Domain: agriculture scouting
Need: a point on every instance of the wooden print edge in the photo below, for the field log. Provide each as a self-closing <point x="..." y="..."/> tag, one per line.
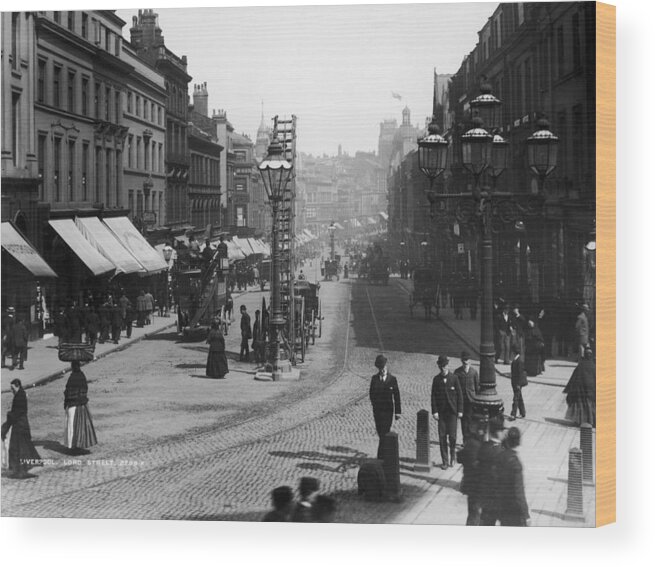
<point x="606" y="263"/>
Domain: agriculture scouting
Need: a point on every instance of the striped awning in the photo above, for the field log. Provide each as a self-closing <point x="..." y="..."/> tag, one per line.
<point x="18" y="247"/>
<point x="82" y="248"/>
<point x="133" y="240"/>
<point x="104" y="241"/>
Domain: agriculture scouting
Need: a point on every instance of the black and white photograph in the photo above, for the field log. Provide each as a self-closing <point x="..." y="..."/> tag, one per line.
<point x="305" y="264"/>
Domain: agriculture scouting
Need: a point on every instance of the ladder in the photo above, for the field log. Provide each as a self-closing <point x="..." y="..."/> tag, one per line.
<point x="285" y="130"/>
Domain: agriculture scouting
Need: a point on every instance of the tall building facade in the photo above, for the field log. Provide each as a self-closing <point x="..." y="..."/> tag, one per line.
<point x="540" y="61"/>
<point x="205" y="153"/>
<point x="148" y="42"/>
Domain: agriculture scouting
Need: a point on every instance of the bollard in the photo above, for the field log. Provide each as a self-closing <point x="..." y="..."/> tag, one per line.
<point x="574" y="509"/>
<point x="391" y="466"/>
<point x="586" y="445"/>
<point x="422" y="463"/>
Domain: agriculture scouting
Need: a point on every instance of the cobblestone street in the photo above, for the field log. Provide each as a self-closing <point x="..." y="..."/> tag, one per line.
<point x="174" y="445"/>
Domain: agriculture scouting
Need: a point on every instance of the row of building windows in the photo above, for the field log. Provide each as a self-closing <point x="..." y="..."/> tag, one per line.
<point x="176" y="138"/>
<point x="67" y="89"/>
<point x="90" y="29"/>
<point x="178" y="98"/>
<point x="65" y="177"/>
<point x="204" y="170"/>
<point x="143" y="108"/>
<point x="567" y="40"/>
<point x="142" y="153"/>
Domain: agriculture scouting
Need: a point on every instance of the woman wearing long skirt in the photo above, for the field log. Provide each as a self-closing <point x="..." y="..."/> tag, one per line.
<point x="581" y="392"/>
<point x="22" y="453"/>
<point x="80" y="433"/>
<point x="216" y="359"/>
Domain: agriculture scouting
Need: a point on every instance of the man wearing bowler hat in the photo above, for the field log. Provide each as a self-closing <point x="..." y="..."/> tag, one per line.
<point x="447" y="406"/>
<point x="385" y="397"/>
<point x="469" y="382"/>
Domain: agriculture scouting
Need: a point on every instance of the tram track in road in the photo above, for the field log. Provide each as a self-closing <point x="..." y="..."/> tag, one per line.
<point x="187" y="448"/>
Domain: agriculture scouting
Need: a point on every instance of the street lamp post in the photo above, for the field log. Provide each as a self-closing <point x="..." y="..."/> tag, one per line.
<point x="483" y="150"/>
<point x="276" y="173"/>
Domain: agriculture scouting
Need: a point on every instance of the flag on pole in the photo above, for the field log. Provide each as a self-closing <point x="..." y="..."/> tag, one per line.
<point x="396" y="95"/>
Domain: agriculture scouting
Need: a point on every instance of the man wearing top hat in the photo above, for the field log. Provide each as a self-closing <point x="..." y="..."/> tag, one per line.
<point x="447" y="406"/>
<point x="385" y="397"/>
<point x="469" y="382"/>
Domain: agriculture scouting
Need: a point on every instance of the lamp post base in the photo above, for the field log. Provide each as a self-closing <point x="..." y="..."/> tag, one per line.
<point x="284" y="371"/>
<point x="488" y="409"/>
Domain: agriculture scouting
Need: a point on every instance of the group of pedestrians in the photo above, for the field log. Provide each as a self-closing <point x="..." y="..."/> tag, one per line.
<point x="104" y="319"/>
<point x="310" y="506"/>
<point x="15" y="338"/>
<point x="492" y="477"/>
<point x="79" y="431"/>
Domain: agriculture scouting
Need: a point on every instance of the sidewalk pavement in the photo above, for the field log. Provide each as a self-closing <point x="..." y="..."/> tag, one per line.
<point x="547" y="440"/>
<point x="43" y="365"/>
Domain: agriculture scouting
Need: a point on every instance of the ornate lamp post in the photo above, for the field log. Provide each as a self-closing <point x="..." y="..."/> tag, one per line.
<point x="483" y="150"/>
<point x="276" y="173"/>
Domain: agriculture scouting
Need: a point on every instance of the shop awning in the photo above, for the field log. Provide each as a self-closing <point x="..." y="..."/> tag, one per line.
<point x="384" y="215"/>
<point x="233" y="251"/>
<point x="89" y="256"/>
<point x="134" y="241"/>
<point x="104" y="241"/>
<point x="243" y="244"/>
<point x="266" y="248"/>
<point x="371" y="220"/>
<point x="14" y="243"/>
<point x="308" y="234"/>
<point x="338" y="226"/>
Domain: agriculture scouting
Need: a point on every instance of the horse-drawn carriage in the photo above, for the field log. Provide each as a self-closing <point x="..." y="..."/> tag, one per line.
<point x="378" y="270"/>
<point x="425" y="292"/>
<point x="308" y="318"/>
<point x="332" y="268"/>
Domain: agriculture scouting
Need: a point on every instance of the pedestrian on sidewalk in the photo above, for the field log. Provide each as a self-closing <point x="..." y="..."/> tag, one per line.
<point x="488" y="473"/>
<point x="513" y="504"/>
<point x="141" y="308"/>
<point x="258" y="343"/>
<point x="447" y="405"/>
<point x="307" y="492"/>
<point x="581" y="392"/>
<point x="116" y="323"/>
<point x="582" y="330"/>
<point x="519" y="380"/>
<point x="8" y="322"/>
<point x="469" y="382"/>
<point x="518" y="325"/>
<point x="325" y="509"/>
<point x="385" y="398"/>
<point x="124" y="303"/>
<point x="150" y="307"/>
<point x="470" y="484"/>
<point x="282" y="498"/>
<point x="534" y="349"/>
<point x="504" y="330"/>
<point x="61" y="326"/>
<point x="246" y="335"/>
<point x="19" y="340"/>
<point x="22" y="453"/>
<point x="80" y="433"/>
<point x="216" y="358"/>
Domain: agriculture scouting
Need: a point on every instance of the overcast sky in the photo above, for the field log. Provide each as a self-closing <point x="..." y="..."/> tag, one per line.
<point x="334" y="67"/>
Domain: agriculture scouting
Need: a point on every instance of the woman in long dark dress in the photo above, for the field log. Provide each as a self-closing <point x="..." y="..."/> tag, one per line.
<point x="216" y="359"/>
<point x="534" y="350"/>
<point x="80" y="433"/>
<point x="581" y="392"/>
<point x="22" y="454"/>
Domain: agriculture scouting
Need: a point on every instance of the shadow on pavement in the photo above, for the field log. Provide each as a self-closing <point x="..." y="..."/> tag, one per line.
<point x="315" y="460"/>
<point x="50" y="445"/>
<point x="558" y="421"/>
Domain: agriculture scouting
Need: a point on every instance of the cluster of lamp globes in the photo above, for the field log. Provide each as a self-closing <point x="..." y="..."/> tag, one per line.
<point x="482" y="147"/>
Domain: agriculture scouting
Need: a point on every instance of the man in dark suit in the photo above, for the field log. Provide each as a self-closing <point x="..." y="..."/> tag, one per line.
<point x="447" y="406"/>
<point x="513" y="507"/>
<point x="246" y="335"/>
<point x="469" y="382"/>
<point x="385" y="397"/>
<point x="488" y="479"/>
<point x="519" y="379"/>
<point x="19" y="341"/>
<point x="504" y="331"/>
